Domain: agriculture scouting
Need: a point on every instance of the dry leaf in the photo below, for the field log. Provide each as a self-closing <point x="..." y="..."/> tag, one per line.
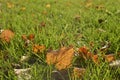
<point x="6" y="35"/>
<point x="61" y="58"/>
<point x="84" y="52"/>
<point x="95" y="59"/>
<point x="38" y="48"/>
<point x="78" y="72"/>
<point x="110" y="57"/>
<point x="31" y="37"/>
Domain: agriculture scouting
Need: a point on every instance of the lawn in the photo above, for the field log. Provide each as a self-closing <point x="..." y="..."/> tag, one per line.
<point x="88" y="26"/>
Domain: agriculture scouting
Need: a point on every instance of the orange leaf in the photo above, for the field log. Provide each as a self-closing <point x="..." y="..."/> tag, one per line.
<point x="38" y="48"/>
<point x="31" y="36"/>
<point x="84" y="52"/>
<point x="95" y="59"/>
<point x="110" y="57"/>
<point x="61" y="58"/>
<point x="6" y="35"/>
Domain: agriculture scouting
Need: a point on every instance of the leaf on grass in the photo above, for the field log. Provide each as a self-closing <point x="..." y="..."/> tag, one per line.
<point x="61" y="58"/>
<point x="28" y="39"/>
<point x="38" y="48"/>
<point x="6" y="35"/>
<point x="84" y="52"/>
<point x="110" y="57"/>
<point x="95" y="59"/>
<point x="31" y="37"/>
<point x="78" y="72"/>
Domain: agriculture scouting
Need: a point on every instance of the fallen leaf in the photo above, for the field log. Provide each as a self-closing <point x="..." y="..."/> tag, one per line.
<point x="110" y="57"/>
<point x="61" y="58"/>
<point x="38" y="48"/>
<point x="95" y="59"/>
<point x="31" y="37"/>
<point x="7" y="35"/>
<point x="84" y="52"/>
<point x="78" y="72"/>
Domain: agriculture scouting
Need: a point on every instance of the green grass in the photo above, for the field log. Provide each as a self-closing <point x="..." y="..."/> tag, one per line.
<point x="61" y="28"/>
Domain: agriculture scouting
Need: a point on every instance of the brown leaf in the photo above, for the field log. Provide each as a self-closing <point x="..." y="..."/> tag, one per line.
<point x="61" y="58"/>
<point x="31" y="37"/>
<point x="6" y="35"/>
<point x="95" y="59"/>
<point x="84" y="52"/>
<point x="38" y="48"/>
<point x="110" y="57"/>
<point x="78" y="72"/>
